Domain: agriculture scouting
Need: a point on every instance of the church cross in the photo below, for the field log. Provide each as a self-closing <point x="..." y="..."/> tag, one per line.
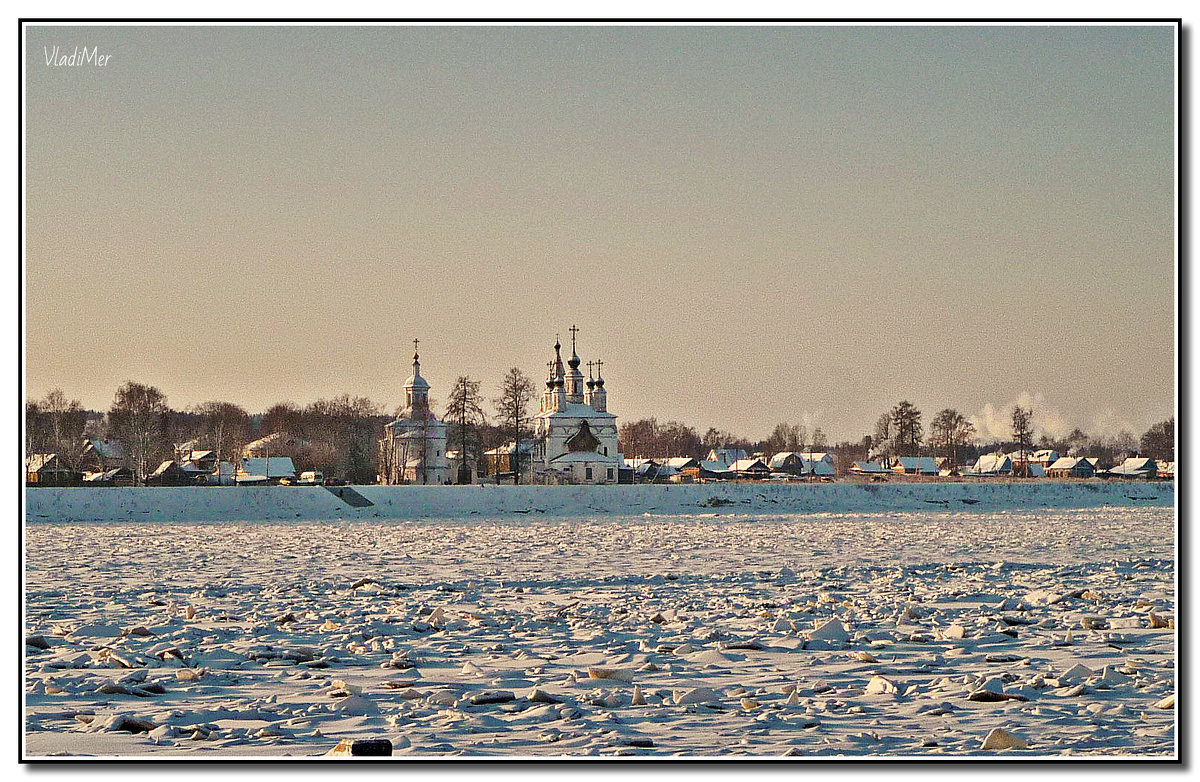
<point x="415" y="341"/>
<point x="573" y="331"/>
<point x="598" y="363"/>
<point x="590" y="365"/>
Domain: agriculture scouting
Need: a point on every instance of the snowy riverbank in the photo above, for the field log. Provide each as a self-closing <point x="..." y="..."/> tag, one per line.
<point x="285" y="503"/>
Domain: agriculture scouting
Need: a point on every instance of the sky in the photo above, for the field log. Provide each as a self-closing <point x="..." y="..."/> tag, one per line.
<point x="748" y="225"/>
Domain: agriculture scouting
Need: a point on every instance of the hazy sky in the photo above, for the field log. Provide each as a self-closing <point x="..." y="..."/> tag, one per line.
<point x="748" y="224"/>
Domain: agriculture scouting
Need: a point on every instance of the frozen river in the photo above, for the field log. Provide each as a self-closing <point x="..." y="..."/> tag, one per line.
<point x="683" y="634"/>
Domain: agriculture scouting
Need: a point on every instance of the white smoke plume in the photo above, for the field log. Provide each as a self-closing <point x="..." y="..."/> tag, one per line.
<point x="994" y="422"/>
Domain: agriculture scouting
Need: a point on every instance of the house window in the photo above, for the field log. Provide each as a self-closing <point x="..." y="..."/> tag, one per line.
<point x="588" y="473"/>
<point x="606" y="453"/>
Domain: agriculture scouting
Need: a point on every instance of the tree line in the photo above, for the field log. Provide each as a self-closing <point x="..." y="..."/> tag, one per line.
<point x="340" y="436"/>
<point x="337" y="436"/>
<point x="899" y="431"/>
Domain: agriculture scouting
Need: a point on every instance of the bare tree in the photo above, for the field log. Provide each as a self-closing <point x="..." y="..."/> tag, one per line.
<point x="464" y="413"/>
<point x="1022" y="431"/>
<point x="137" y="419"/>
<point x="949" y="430"/>
<point x="516" y="392"/>
<point x="56" y="425"/>
<point x="1159" y="441"/>
<point x="906" y="420"/>
<point x="883" y="435"/>
<point x="225" y="427"/>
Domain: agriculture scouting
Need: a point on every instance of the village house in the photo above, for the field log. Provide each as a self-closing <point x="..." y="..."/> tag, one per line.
<point x="992" y="464"/>
<point x="46" y="469"/>
<point x="503" y="459"/>
<point x="1134" y="467"/>
<point x="117" y="476"/>
<point x="264" y="469"/>
<point x="753" y="469"/>
<point x="708" y="470"/>
<point x="726" y="456"/>
<point x="1071" y="467"/>
<point x="915" y="465"/>
<point x="788" y="462"/>
<point x="874" y="469"/>
<point x="169" y="473"/>
<point x="102" y="455"/>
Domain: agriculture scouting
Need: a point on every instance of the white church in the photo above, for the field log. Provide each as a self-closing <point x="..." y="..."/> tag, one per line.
<point x="575" y="435"/>
<point x="413" y="448"/>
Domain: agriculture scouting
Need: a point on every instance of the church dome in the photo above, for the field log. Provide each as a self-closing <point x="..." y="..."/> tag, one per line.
<point x="415" y="380"/>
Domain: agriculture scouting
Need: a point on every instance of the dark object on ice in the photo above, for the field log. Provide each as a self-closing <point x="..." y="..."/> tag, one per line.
<point x="716" y="502"/>
<point x="938" y="502"/>
<point x="1017" y="620"/>
<point x="638" y="742"/>
<point x="966" y="501"/>
<point x="37" y="642"/>
<point x="751" y="645"/>
<point x="495" y="696"/>
<point x="131" y="724"/>
<point x="362" y="748"/>
<point x="987" y="696"/>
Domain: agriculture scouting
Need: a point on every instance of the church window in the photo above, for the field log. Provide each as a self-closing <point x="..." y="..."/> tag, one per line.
<point x="610" y="473"/>
<point x="588" y="472"/>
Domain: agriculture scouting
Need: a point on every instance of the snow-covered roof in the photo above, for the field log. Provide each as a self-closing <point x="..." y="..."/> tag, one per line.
<point x="579" y="457"/>
<point x="109" y="449"/>
<point x="681" y="462"/>
<point x="101" y="477"/>
<point x="726" y="456"/>
<point x="780" y="458"/>
<point x="270" y="439"/>
<point x="576" y="410"/>
<point x="416" y="381"/>
<point x="162" y="468"/>
<point x="993" y="463"/>
<point x="1065" y="463"/>
<point x="267" y="467"/>
<point x="820" y="467"/>
<point x="709" y="465"/>
<point x="744" y="465"/>
<point x="36" y="461"/>
<point x="925" y="464"/>
<point x="817" y="456"/>
<point x="507" y="448"/>
<point x="1135" y="465"/>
